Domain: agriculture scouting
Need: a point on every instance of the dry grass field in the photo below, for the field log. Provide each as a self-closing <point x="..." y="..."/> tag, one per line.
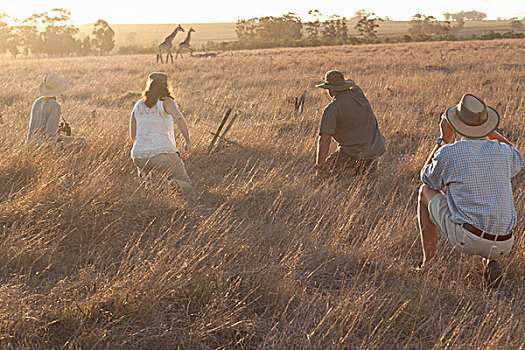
<point x="266" y="256"/>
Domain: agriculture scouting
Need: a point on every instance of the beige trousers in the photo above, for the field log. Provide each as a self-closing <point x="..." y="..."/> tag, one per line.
<point x="460" y="238"/>
<point x="168" y="163"/>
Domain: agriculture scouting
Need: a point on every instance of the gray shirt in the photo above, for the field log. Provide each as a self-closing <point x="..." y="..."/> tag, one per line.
<point x="45" y="119"/>
<point x="349" y="119"/>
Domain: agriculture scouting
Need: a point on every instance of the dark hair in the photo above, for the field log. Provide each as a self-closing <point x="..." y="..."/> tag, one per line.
<point x="155" y="90"/>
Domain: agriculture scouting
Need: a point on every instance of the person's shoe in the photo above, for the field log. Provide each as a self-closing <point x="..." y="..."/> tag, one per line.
<point x="493" y="273"/>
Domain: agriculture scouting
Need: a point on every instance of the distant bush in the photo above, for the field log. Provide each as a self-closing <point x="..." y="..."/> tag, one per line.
<point x="507" y="35"/>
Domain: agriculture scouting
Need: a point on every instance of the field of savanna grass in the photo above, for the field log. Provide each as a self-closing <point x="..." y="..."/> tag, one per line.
<point x="264" y="256"/>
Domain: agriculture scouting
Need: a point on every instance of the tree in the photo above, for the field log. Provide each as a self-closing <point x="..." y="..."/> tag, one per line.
<point x="246" y="29"/>
<point x="313" y="27"/>
<point x="104" y="36"/>
<point x="86" y="46"/>
<point x="58" y="37"/>
<point x="367" y="25"/>
<point x="5" y="34"/>
<point x="359" y="14"/>
<point x="426" y="26"/>
<point x="9" y="37"/>
<point x="269" y="31"/>
<point x="515" y="24"/>
<point x="466" y="16"/>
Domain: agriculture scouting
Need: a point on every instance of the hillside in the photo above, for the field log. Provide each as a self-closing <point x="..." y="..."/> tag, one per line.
<point x="266" y="256"/>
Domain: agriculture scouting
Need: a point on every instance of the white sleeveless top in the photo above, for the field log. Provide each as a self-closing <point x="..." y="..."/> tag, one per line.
<point x="154" y="131"/>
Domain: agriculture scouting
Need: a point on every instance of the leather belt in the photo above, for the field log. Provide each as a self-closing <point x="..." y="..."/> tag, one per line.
<point x="490" y="237"/>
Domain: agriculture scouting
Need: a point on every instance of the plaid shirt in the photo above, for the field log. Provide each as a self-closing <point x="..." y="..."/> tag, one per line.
<point x="477" y="175"/>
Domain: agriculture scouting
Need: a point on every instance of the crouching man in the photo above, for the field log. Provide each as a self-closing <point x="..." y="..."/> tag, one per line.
<point x="477" y="214"/>
<point x="350" y="120"/>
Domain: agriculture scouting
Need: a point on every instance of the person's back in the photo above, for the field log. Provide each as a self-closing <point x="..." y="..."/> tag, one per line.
<point x="151" y="130"/>
<point x="154" y="131"/>
<point x="357" y="131"/>
<point x="45" y="119"/>
<point x="478" y="175"/>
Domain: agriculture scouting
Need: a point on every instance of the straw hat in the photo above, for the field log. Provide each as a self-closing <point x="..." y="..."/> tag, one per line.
<point x="53" y="86"/>
<point x="472" y="118"/>
<point x="335" y="80"/>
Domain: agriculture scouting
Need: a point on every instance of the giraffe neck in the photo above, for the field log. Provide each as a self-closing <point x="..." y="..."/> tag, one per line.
<point x="172" y="35"/>
<point x="188" y="37"/>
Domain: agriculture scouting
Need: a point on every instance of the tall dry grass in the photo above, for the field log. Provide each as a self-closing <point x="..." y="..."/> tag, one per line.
<point x="266" y="256"/>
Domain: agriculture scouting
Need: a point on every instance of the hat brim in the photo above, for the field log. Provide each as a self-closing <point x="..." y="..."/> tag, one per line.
<point x="340" y="87"/>
<point x="58" y="90"/>
<point x="473" y="132"/>
<point x="158" y="76"/>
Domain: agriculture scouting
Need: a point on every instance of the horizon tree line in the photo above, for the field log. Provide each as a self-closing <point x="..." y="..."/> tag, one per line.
<point x="52" y="34"/>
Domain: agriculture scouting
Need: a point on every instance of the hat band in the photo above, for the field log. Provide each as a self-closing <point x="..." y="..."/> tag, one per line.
<point x="329" y="83"/>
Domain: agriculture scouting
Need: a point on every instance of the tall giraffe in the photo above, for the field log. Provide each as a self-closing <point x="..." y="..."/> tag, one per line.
<point x="166" y="45"/>
<point x="185" y="45"/>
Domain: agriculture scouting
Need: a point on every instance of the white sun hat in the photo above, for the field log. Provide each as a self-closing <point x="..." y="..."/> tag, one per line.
<point x="53" y="85"/>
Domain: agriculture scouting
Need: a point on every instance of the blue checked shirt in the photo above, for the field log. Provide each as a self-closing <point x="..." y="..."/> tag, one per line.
<point x="477" y="175"/>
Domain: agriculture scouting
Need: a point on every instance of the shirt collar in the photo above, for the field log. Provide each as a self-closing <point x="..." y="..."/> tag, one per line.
<point x="463" y="138"/>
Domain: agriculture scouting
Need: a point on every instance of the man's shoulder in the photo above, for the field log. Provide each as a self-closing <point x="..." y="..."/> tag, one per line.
<point x="449" y="152"/>
<point x="358" y="89"/>
<point x="330" y="108"/>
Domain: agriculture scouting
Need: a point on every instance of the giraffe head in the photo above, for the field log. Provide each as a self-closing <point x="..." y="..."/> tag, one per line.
<point x="191" y="30"/>
<point x="179" y="28"/>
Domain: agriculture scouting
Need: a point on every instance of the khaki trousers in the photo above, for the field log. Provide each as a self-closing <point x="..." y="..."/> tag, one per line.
<point x="168" y="163"/>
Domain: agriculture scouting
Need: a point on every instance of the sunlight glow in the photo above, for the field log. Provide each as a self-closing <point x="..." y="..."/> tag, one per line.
<point x="134" y="11"/>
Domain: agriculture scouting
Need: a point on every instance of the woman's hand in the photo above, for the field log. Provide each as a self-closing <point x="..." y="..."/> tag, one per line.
<point x="187" y="150"/>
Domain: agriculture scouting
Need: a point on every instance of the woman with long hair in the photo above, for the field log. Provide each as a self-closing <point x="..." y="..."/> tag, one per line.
<point x="151" y="129"/>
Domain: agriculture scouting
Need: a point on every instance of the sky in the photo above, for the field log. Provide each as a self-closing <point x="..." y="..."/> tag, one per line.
<point x="195" y="11"/>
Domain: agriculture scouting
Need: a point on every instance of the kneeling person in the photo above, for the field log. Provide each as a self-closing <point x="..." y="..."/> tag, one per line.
<point x="152" y="132"/>
<point x="350" y="120"/>
<point x="477" y="213"/>
<point x="45" y="117"/>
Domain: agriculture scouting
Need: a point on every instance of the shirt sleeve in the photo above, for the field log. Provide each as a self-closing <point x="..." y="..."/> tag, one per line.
<point x="328" y="121"/>
<point x="433" y="174"/>
<point x="517" y="161"/>
<point x="36" y="119"/>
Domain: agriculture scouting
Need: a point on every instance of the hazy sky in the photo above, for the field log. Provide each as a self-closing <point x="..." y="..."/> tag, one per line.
<point x="187" y="11"/>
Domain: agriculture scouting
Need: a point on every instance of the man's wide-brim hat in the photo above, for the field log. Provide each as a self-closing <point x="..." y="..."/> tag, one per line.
<point x="53" y="85"/>
<point x="472" y="118"/>
<point x="335" y="80"/>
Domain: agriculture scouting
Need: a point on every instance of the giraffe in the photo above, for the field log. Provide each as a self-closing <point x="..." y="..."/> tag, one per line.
<point x="166" y="45"/>
<point x="185" y="45"/>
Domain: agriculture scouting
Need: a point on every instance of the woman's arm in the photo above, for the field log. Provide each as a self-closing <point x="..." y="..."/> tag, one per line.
<point x="171" y="108"/>
<point x="132" y="127"/>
